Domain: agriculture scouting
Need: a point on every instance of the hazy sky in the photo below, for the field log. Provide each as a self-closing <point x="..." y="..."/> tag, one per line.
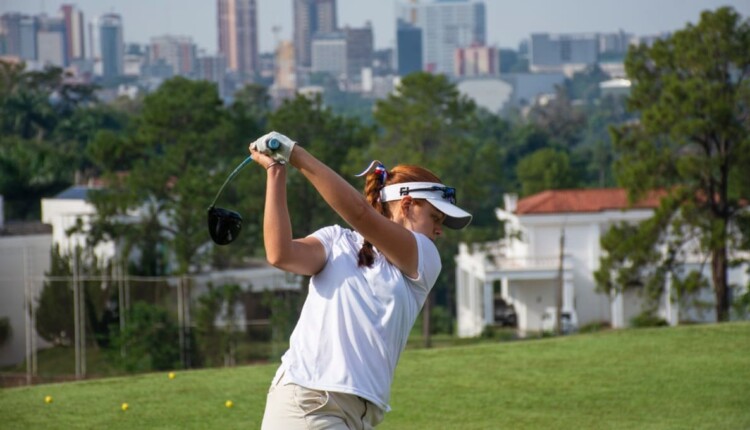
<point x="508" y="21"/>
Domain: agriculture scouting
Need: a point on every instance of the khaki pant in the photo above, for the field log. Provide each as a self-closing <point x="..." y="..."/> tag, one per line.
<point x="291" y="407"/>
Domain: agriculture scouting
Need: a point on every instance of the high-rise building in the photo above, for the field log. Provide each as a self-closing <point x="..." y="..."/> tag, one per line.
<point x="29" y="29"/>
<point x="329" y="54"/>
<point x="446" y="25"/>
<point x="111" y="45"/>
<point x="238" y="36"/>
<point x="359" y="51"/>
<point x="311" y="17"/>
<point x="476" y="61"/>
<point x="18" y="36"/>
<point x="179" y="52"/>
<point x="284" y="77"/>
<point x="74" y="33"/>
<point x="408" y="47"/>
<point x="50" y="37"/>
<point x="563" y="52"/>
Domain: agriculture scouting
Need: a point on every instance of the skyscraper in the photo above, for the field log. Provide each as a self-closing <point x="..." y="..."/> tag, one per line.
<point x="179" y="52"/>
<point x="408" y="47"/>
<point x="446" y="25"/>
<point x="311" y="17"/>
<point x="18" y="35"/>
<point x="74" y="35"/>
<point x="50" y="39"/>
<point x="238" y="36"/>
<point x="111" y="45"/>
<point x="359" y="51"/>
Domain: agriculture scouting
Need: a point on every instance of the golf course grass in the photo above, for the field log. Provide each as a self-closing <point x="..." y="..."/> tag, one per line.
<point x="690" y="377"/>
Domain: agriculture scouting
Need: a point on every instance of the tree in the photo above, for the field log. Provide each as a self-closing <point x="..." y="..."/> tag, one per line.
<point x="36" y="160"/>
<point x="55" y="309"/>
<point x="560" y="118"/>
<point x="545" y="169"/>
<point x="171" y="163"/>
<point x="692" y="91"/>
<point x="584" y="85"/>
<point x="148" y="339"/>
<point x="218" y="345"/>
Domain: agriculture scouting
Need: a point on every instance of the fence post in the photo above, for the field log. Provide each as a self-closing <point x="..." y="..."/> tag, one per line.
<point x="180" y="322"/>
<point x="27" y="317"/>
<point x="76" y="318"/>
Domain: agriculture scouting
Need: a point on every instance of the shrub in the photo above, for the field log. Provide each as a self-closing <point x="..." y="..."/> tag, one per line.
<point x="647" y="319"/>
<point x="149" y="340"/>
<point x="595" y="326"/>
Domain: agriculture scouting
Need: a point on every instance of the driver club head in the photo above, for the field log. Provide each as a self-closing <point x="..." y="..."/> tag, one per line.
<point x="224" y="225"/>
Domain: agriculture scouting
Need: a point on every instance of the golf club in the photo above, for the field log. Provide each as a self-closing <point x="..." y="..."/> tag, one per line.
<point x="224" y="225"/>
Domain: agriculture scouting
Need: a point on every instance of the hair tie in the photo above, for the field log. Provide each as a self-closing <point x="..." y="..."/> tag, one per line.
<point x="378" y="169"/>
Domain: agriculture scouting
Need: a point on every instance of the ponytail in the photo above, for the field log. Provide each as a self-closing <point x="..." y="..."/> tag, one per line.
<point x="374" y="182"/>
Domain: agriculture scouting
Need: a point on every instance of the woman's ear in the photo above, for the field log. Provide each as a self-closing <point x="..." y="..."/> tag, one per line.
<point x="405" y="204"/>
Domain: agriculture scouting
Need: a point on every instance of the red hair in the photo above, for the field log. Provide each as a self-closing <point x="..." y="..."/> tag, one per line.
<point x="373" y="184"/>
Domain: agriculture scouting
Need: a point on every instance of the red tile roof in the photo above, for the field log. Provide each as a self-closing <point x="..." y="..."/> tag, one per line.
<point x="585" y="200"/>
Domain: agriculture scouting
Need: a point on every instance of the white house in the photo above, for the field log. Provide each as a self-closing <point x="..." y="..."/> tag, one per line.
<point x="67" y="210"/>
<point x="553" y="245"/>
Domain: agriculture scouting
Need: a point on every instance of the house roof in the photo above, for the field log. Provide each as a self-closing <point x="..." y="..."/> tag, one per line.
<point x="585" y="200"/>
<point x="76" y="192"/>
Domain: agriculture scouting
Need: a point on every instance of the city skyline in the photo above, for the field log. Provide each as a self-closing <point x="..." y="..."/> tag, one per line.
<point x="506" y="25"/>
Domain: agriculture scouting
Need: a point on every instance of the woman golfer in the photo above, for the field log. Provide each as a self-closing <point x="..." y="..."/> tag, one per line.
<point x="368" y="285"/>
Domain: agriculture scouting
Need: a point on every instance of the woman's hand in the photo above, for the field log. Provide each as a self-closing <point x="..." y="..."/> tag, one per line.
<point x="282" y="152"/>
<point x="262" y="159"/>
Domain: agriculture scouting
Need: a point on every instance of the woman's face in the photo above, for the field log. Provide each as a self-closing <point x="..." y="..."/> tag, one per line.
<point x="424" y="218"/>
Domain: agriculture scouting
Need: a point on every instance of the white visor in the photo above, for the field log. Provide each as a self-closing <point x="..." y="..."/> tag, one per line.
<point x="442" y="197"/>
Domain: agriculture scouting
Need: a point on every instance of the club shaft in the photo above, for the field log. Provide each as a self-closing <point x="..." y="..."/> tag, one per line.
<point x="230" y="177"/>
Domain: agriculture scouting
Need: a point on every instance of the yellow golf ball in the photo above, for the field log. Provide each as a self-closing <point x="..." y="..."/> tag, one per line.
<point x="171" y="375"/>
<point x="48" y="399"/>
<point x="125" y="406"/>
<point x="228" y="404"/>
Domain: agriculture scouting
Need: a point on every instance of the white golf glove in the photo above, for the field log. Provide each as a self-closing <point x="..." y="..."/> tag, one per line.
<point x="265" y="145"/>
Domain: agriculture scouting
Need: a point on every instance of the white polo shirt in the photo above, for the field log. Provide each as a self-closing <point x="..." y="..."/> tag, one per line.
<point x="356" y="320"/>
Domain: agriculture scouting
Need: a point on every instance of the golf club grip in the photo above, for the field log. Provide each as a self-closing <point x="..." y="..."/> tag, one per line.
<point x="273" y="144"/>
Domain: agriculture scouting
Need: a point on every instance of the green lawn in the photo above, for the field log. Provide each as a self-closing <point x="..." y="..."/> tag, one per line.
<point x="693" y="377"/>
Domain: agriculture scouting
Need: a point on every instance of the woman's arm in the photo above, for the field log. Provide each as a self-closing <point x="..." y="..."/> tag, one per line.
<point x="396" y="242"/>
<point x="304" y="256"/>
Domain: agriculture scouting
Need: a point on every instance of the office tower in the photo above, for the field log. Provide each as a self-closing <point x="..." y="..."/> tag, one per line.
<point x="476" y="61"/>
<point x="284" y="77"/>
<point x="615" y="44"/>
<point x="329" y="54"/>
<point x="238" y="36"/>
<point x="179" y="52"/>
<point x="50" y="37"/>
<point x="29" y="29"/>
<point x="446" y="25"/>
<point x="311" y="17"/>
<point x="74" y="35"/>
<point x="563" y="52"/>
<point x="10" y="34"/>
<point x="408" y="47"/>
<point x="359" y="51"/>
<point x="111" y="45"/>
<point x="18" y="35"/>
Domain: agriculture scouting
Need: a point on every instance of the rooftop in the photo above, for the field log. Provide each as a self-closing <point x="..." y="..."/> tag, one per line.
<point x="583" y="201"/>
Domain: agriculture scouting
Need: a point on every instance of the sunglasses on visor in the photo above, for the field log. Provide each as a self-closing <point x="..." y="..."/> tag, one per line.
<point x="449" y="193"/>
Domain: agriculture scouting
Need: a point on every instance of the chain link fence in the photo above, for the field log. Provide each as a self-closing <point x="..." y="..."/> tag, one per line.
<point x="87" y="325"/>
